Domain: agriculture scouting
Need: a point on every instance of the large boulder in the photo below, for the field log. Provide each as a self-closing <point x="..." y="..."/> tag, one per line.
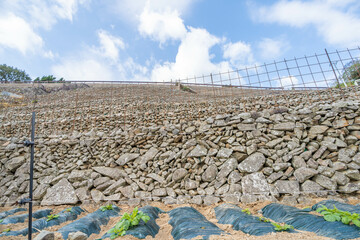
<point x="255" y="183"/>
<point x="60" y="194"/>
<point x="253" y="163"/>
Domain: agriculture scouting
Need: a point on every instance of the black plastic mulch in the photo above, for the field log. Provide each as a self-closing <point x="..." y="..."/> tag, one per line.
<point x="11" y="212"/>
<point x="303" y="220"/>
<point x="142" y="230"/>
<point x="188" y="223"/>
<point x="249" y="224"/>
<point x="90" y="223"/>
<point x="41" y="224"/>
<point x="21" y="218"/>
<point x="339" y="205"/>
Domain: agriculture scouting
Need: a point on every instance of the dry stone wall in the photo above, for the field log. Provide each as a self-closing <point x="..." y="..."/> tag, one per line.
<point x="283" y="153"/>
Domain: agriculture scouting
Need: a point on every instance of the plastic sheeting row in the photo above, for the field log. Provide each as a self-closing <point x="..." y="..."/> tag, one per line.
<point x="142" y="230"/>
<point x="64" y="216"/>
<point x="90" y="223"/>
<point x="21" y="218"/>
<point x="303" y="220"/>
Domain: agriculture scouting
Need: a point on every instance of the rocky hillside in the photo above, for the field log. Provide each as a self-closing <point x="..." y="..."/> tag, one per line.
<point x="282" y="148"/>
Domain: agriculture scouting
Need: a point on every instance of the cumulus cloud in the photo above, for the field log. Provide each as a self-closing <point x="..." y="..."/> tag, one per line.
<point x="101" y="62"/>
<point x="193" y="57"/>
<point x="287" y="82"/>
<point x="109" y="45"/>
<point x="272" y="48"/>
<point x="161" y="26"/>
<point x="17" y="34"/>
<point x="21" y="19"/>
<point x="238" y="53"/>
<point x="335" y="21"/>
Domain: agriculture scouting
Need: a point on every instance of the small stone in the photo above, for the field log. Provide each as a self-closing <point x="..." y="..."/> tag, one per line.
<point x="179" y="174"/>
<point x="246" y="127"/>
<point x="209" y="200"/>
<point x="198" y="151"/>
<point x="210" y="173"/>
<point x="229" y="166"/>
<point x="157" y="178"/>
<point x="15" y="163"/>
<point x="274" y="142"/>
<point x="45" y="235"/>
<point x="224" y="153"/>
<point x="318" y="129"/>
<point x="286" y="186"/>
<point x="77" y="236"/>
<point x="159" y="192"/>
<point x="97" y="196"/>
<point x="325" y="182"/>
<point x="302" y="174"/>
<point x="287" y="126"/>
<point x="127" y="157"/>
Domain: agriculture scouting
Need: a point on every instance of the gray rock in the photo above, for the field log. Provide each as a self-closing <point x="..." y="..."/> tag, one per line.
<point x="340" y="178"/>
<point x="83" y="194"/>
<point x="60" y="194"/>
<point x="40" y="191"/>
<point x="298" y="162"/>
<point x="286" y="186"/>
<point x="198" y="151"/>
<point x="311" y="187"/>
<point x="274" y="176"/>
<point x="190" y="184"/>
<point x="281" y="166"/>
<point x="345" y="155"/>
<point x="224" y="153"/>
<point x="149" y="155"/>
<point x="14" y="163"/>
<point x="79" y="175"/>
<point x="159" y="192"/>
<point x="77" y="236"/>
<point x="234" y="177"/>
<point x="229" y="166"/>
<point x="255" y="183"/>
<point x="318" y="129"/>
<point x="97" y="196"/>
<point x="246" y="127"/>
<point x="274" y="142"/>
<point x="286" y="126"/>
<point x="128" y="192"/>
<point x="209" y="200"/>
<point x="210" y="173"/>
<point x="179" y="174"/>
<point x="45" y="235"/>
<point x="302" y="174"/>
<point x="325" y="182"/>
<point x="353" y="174"/>
<point x="350" y="188"/>
<point x="113" y="173"/>
<point x="127" y="157"/>
<point x="157" y="178"/>
<point x="253" y="163"/>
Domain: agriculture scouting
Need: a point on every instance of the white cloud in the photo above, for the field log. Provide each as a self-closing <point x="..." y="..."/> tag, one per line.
<point x="17" y="34"/>
<point x="287" y="82"/>
<point x="238" y="53"/>
<point x="130" y="10"/>
<point x="83" y="69"/>
<point x="109" y="45"/>
<point x="335" y="21"/>
<point x="101" y="62"/>
<point x="272" y="48"/>
<point x="193" y="58"/>
<point x="161" y="26"/>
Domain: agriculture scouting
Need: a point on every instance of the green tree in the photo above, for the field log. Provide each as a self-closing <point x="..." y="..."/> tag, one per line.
<point x="12" y="74"/>
<point x="351" y="72"/>
<point x="49" y="78"/>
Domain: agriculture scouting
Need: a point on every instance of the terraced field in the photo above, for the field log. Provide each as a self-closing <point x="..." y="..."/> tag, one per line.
<point x="223" y="221"/>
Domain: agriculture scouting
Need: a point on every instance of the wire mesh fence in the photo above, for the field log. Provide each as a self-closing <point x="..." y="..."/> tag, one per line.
<point x="82" y="105"/>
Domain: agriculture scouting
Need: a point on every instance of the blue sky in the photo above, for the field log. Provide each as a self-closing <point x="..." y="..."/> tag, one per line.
<point x="162" y="40"/>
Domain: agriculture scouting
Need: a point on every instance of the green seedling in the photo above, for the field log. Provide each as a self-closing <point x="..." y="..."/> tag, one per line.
<point x="128" y="221"/>
<point x="1" y="220"/>
<point x="68" y="210"/>
<point x="281" y="226"/>
<point x="246" y="210"/>
<point x="332" y="215"/>
<point x="106" y="207"/>
<point x="263" y="219"/>
<point x="51" y="217"/>
<point x="6" y="230"/>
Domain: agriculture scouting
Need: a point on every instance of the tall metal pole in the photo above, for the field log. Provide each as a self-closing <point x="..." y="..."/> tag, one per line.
<point x="31" y="145"/>
<point x="332" y="68"/>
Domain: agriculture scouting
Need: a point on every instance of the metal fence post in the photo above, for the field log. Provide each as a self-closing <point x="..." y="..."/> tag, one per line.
<point x="332" y="68"/>
<point x="30" y="199"/>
